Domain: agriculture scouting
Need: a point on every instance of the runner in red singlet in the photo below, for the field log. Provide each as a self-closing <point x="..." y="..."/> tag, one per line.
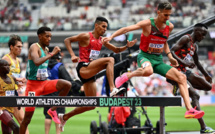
<point x="184" y="51"/>
<point x="155" y="32"/>
<point x="89" y="64"/>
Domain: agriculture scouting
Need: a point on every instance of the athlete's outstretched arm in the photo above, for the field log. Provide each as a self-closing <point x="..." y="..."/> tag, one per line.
<point x="82" y="39"/>
<point x="199" y="66"/>
<point x="124" y="30"/>
<point x="120" y="49"/>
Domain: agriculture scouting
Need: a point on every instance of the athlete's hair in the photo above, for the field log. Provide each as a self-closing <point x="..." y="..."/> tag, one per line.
<point x="43" y="30"/>
<point x="200" y="25"/>
<point x="13" y="40"/>
<point x="101" y="19"/>
<point x="165" y="5"/>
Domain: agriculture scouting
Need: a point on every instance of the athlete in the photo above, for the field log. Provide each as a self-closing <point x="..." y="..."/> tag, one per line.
<point x="36" y="74"/>
<point x="7" y="88"/>
<point x="89" y="65"/>
<point x="155" y="32"/>
<point x="15" y="45"/>
<point x="184" y="51"/>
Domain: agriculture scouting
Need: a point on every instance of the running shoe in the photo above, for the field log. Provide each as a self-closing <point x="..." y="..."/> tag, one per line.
<point x="193" y="113"/>
<point x="121" y="80"/>
<point x="207" y="130"/>
<point x="175" y="90"/>
<point x="54" y="116"/>
<point x="62" y="122"/>
<point x="117" y="91"/>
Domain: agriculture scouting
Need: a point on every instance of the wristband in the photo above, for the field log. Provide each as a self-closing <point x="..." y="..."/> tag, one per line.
<point x="127" y="46"/>
<point x="51" y="54"/>
<point x="168" y="53"/>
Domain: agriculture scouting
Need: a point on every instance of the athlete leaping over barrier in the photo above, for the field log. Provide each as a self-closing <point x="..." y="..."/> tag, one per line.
<point x="153" y="43"/>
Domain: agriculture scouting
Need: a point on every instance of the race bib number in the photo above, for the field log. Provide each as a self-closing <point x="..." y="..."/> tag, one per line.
<point x="16" y="75"/>
<point x="42" y="74"/>
<point x="155" y="48"/>
<point x="94" y="54"/>
<point x="187" y="57"/>
<point x="31" y="93"/>
<point x="10" y="93"/>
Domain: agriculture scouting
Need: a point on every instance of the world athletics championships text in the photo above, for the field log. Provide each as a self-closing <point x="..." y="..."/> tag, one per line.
<point x="55" y="102"/>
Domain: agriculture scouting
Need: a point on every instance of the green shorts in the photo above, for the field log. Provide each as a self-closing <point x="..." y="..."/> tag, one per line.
<point x="156" y="61"/>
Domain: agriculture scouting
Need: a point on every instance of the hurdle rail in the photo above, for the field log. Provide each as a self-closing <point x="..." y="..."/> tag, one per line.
<point x="66" y="101"/>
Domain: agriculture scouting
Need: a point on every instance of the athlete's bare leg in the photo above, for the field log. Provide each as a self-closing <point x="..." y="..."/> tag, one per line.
<point x="174" y="74"/>
<point x="90" y="90"/>
<point x="8" y="122"/>
<point x="195" y="103"/>
<point x="98" y="65"/>
<point x="25" y="122"/>
<point x="19" y="115"/>
<point x="199" y="82"/>
<point x="145" y="70"/>
<point x="63" y="86"/>
<point x="48" y="123"/>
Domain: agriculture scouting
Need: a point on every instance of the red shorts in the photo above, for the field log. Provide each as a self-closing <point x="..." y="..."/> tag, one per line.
<point x="37" y="88"/>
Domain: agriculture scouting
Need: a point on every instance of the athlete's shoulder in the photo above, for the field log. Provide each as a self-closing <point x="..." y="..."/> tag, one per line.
<point x="171" y="26"/>
<point x="145" y="22"/>
<point x="5" y="57"/>
<point x="84" y="35"/>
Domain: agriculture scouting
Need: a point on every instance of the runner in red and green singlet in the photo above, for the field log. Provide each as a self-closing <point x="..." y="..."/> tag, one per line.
<point x="155" y="32"/>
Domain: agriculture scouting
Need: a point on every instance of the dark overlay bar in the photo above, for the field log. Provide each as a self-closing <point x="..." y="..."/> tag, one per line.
<point x="67" y="101"/>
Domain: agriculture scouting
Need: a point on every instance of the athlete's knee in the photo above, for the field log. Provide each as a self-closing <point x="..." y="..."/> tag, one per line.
<point x="208" y="87"/>
<point x="67" y="85"/>
<point x="146" y="71"/>
<point x="110" y="60"/>
<point x="181" y="78"/>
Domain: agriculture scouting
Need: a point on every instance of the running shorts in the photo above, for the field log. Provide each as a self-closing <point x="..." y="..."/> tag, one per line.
<point x="156" y="61"/>
<point x="37" y="88"/>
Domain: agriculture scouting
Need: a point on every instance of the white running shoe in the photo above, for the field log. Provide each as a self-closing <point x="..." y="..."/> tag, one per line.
<point x="62" y="122"/>
<point x="116" y="91"/>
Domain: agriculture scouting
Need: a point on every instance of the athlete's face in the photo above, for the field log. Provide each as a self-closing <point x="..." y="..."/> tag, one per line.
<point x="164" y="15"/>
<point x="200" y="33"/>
<point x="101" y="27"/>
<point x="17" y="49"/>
<point x="45" y="38"/>
<point x="4" y="67"/>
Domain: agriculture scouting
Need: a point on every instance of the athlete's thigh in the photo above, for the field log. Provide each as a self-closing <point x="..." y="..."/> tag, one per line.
<point x="173" y="74"/>
<point x="94" y="67"/>
<point x="198" y="82"/>
<point x="50" y="86"/>
<point x="162" y="69"/>
<point x="90" y="88"/>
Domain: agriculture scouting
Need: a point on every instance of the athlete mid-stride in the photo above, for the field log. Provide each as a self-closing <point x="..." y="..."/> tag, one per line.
<point x="89" y="64"/>
<point x="155" y="32"/>
<point x="36" y="74"/>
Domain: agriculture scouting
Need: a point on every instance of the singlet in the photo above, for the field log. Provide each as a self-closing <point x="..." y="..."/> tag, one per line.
<point x="185" y="53"/>
<point x="14" y="68"/>
<point x="154" y="43"/>
<point x="7" y="90"/>
<point x="54" y="72"/>
<point x="91" y="51"/>
<point x="40" y="72"/>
